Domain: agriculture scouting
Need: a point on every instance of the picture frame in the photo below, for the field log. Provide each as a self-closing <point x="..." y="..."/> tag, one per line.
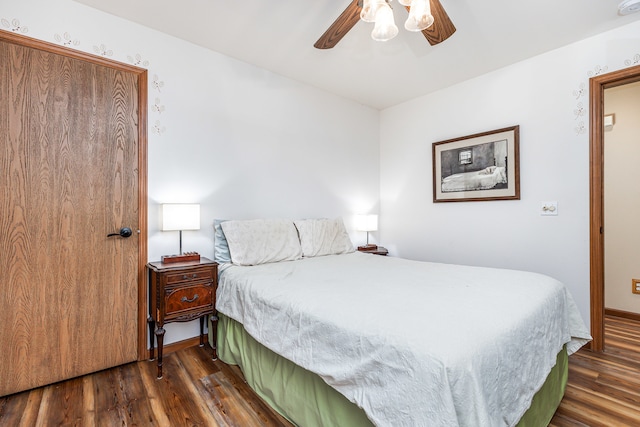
<point x="480" y="167"/>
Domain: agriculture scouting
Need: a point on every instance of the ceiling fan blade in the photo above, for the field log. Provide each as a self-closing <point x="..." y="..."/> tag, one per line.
<point x="340" y="26"/>
<point x="442" y="27"/>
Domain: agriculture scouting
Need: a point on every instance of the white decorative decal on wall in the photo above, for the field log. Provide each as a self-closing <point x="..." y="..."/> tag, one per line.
<point x="633" y="61"/>
<point x="158" y="128"/>
<point x="157" y="107"/>
<point x="102" y="50"/>
<point x="580" y="111"/>
<point x="65" y="40"/>
<point x="137" y="60"/>
<point x="156" y="83"/>
<point x="581" y="92"/>
<point x="14" y="26"/>
<point x="597" y="71"/>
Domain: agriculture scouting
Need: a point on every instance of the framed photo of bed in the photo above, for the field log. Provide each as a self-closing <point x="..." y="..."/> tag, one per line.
<point x="479" y="167"/>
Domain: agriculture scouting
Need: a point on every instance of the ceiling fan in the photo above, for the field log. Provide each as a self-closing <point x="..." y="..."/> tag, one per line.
<point x="441" y="29"/>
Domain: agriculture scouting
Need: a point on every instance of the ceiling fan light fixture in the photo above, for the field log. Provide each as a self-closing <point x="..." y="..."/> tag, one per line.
<point x="369" y="9"/>
<point x="385" y="27"/>
<point x="441" y="30"/>
<point x="420" y="16"/>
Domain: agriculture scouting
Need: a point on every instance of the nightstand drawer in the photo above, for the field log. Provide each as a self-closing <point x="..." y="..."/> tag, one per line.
<point x="196" y="298"/>
<point x="192" y="275"/>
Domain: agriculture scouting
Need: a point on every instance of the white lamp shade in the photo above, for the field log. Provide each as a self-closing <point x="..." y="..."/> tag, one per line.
<point x="420" y="16"/>
<point x="180" y="216"/>
<point x="369" y="9"/>
<point x="385" y="28"/>
<point x="366" y="222"/>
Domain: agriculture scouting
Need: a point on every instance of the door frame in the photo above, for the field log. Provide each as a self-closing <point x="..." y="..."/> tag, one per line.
<point x="597" y="86"/>
<point x="141" y="74"/>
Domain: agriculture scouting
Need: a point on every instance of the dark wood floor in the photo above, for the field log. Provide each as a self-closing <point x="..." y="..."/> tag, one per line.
<point x="603" y="390"/>
<point x="194" y="391"/>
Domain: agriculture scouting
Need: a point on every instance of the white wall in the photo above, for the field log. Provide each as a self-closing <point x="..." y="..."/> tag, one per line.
<point x="241" y="141"/>
<point x="622" y="198"/>
<point x="547" y="96"/>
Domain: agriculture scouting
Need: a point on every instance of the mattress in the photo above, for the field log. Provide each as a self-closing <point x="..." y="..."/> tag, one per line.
<point x="410" y="343"/>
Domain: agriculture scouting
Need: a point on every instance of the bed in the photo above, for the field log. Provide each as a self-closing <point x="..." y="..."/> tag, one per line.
<point x="329" y="336"/>
<point x="483" y="179"/>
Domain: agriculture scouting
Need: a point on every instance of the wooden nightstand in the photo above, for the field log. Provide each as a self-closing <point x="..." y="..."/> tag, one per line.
<point x="180" y="292"/>
<point x="376" y="250"/>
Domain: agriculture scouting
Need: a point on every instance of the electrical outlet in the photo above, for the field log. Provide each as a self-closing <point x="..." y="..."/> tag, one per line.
<point x="548" y="208"/>
<point x="635" y="286"/>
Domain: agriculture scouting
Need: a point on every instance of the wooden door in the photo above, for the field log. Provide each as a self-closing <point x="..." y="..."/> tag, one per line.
<point x="72" y="151"/>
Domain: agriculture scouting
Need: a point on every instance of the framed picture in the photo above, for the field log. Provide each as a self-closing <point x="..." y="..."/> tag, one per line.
<point x="484" y="166"/>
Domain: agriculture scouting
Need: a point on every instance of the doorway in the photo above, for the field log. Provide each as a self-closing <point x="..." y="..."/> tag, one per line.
<point x="622" y="202"/>
<point x="597" y="86"/>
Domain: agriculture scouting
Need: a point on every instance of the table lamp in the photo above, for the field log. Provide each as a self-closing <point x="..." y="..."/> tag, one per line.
<point x="180" y="216"/>
<point x="367" y="223"/>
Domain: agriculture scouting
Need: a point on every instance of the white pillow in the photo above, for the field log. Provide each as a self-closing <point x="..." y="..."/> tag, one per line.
<point x="320" y="237"/>
<point x="261" y="241"/>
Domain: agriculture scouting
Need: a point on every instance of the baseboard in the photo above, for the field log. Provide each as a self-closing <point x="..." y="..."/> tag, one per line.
<point x="179" y="345"/>
<point x="621" y="313"/>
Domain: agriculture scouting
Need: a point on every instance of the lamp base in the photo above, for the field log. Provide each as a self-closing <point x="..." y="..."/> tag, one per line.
<point x="368" y="247"/>
<point x="187" y="256"/>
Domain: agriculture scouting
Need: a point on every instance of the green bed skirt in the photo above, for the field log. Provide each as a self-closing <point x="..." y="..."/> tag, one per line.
<point x="307" y="401"/>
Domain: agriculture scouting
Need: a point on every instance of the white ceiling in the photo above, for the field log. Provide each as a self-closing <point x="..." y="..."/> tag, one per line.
<point x="279" y="35"/>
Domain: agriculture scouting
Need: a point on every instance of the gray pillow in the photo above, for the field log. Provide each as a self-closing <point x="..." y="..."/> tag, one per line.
<point x="220" y="246"/>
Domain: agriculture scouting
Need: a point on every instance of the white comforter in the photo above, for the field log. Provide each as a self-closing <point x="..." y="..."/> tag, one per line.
<point x="412" y="343"/>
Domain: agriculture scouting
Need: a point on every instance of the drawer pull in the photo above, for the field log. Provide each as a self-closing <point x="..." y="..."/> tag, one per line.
<point x="193" y="276"/>
<point x="185" y="299"/>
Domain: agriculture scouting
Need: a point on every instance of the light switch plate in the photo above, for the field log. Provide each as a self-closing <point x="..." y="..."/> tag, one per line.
<point x="549" y="208"/>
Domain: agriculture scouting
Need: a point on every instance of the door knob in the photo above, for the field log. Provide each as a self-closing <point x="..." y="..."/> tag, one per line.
<point x="124" y="232"/>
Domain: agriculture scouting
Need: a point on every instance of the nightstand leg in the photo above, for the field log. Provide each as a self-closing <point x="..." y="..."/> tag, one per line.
<point x="160" y="337"/>
<point x="214" y="331"/>
<point x="202" y="319"/>
<point x="152" y="337"/>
